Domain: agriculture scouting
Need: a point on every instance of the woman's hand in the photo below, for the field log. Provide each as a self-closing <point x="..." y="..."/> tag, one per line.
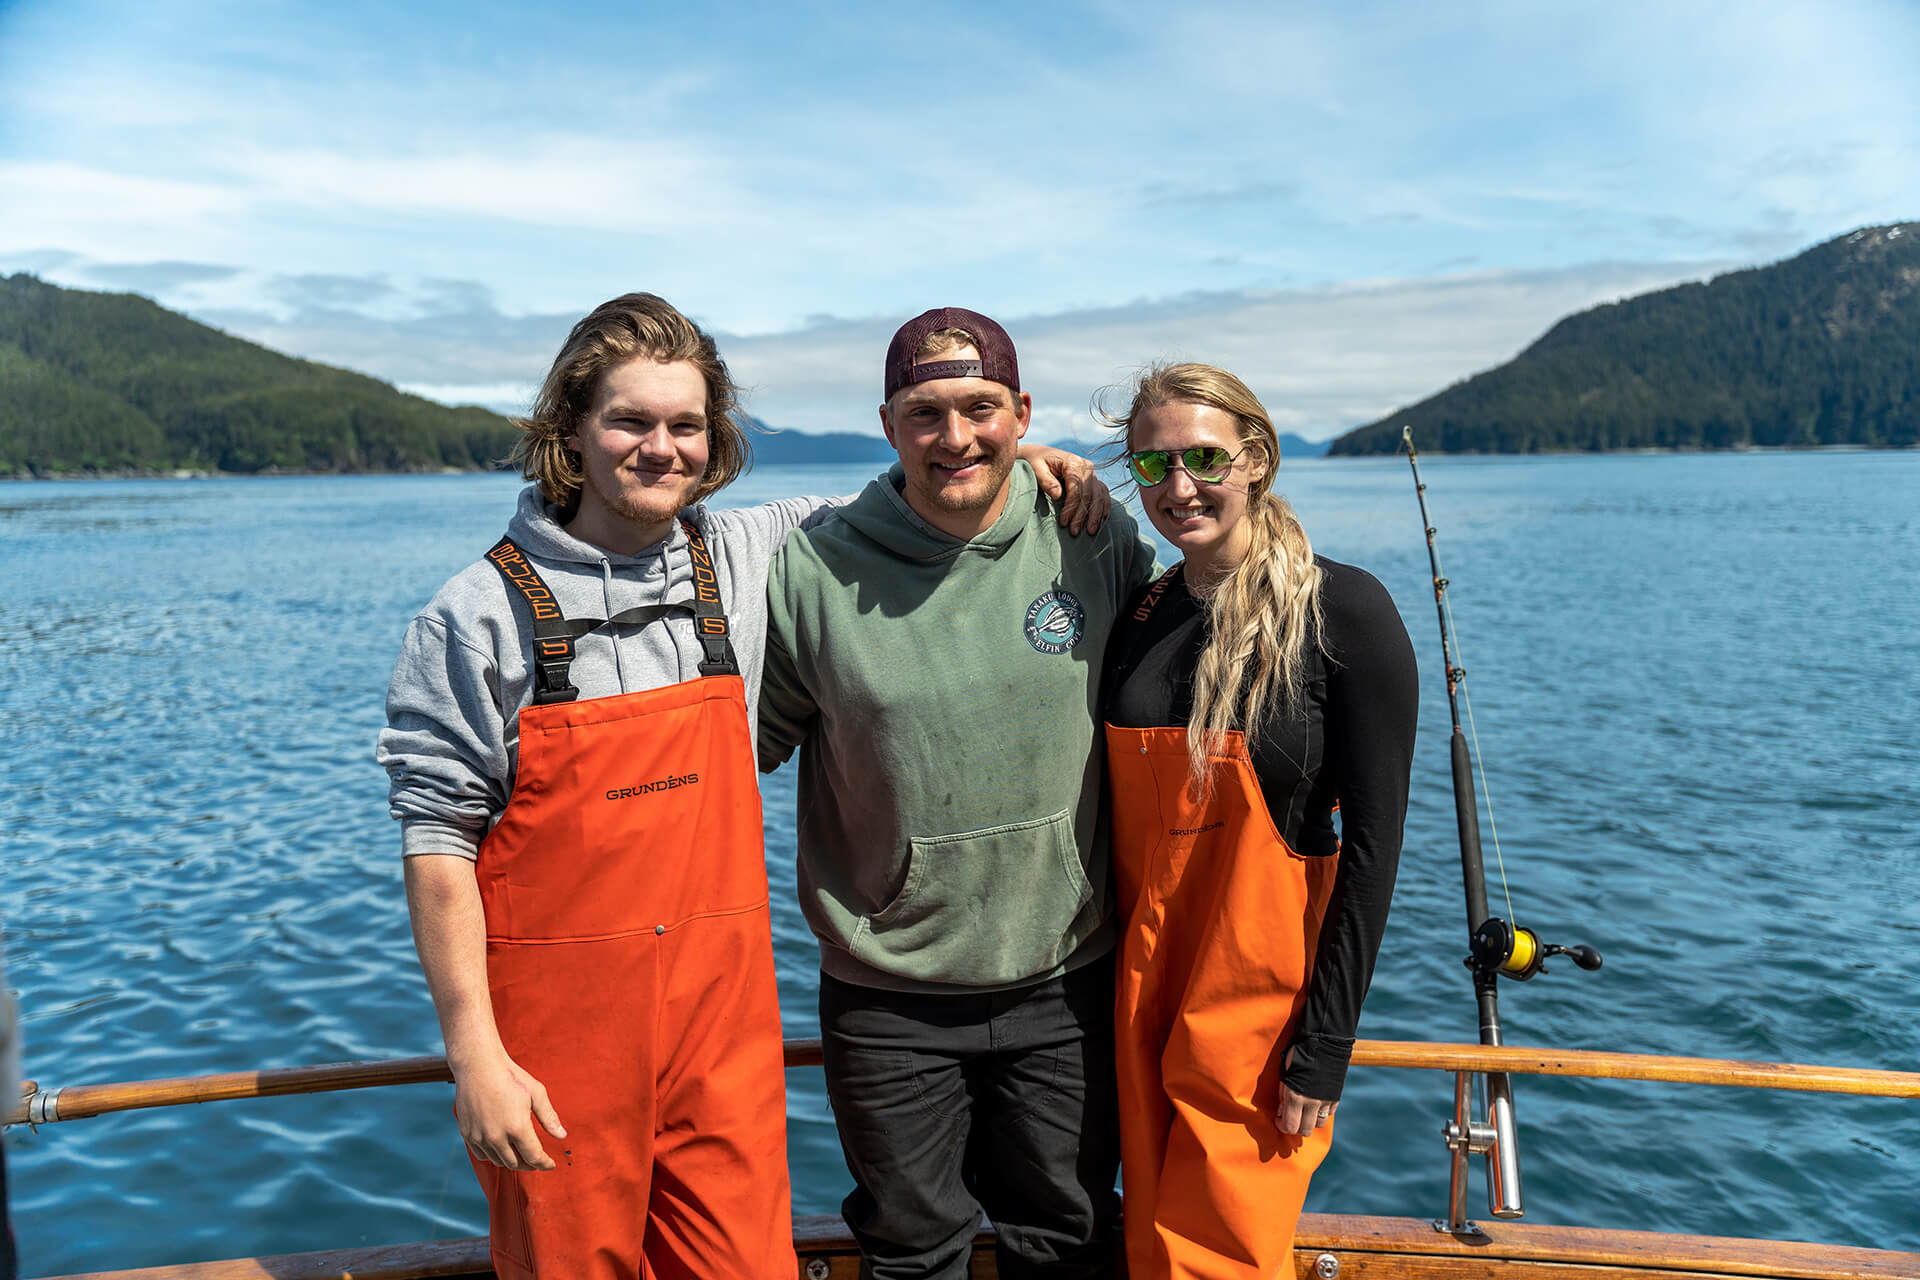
<point x="497" y="1104"/>
<point x="1300" y="1115"/>
<point x="1087" y="500"/>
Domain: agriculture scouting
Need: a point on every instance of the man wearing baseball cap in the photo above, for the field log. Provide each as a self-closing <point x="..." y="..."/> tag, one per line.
<point x="935" y="651"/>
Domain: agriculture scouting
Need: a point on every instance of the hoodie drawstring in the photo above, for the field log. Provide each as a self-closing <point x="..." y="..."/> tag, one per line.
<point x="613" y="635"/>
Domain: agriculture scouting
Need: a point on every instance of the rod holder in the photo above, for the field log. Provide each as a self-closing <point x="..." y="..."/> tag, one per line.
<point x="1497" y="1137"/>
<point x="1503" y="1161"/>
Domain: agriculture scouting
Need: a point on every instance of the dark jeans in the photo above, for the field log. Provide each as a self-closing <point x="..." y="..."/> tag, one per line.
<point x="951" y="1104"/>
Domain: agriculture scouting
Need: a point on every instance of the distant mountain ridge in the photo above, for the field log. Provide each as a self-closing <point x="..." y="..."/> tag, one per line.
<point x="1821" y="349"/>
<point x="785" y="448"/>
<point x="100" y="382"/>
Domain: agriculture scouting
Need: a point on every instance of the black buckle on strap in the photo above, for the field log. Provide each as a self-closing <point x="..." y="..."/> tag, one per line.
<point x="551" y="660"/>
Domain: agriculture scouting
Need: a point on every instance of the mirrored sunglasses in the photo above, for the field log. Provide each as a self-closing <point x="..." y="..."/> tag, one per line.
<point x="1207" y="463"/>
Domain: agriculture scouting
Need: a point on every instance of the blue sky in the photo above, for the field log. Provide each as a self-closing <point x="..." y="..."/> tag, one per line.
<point x="1352" y="205"/>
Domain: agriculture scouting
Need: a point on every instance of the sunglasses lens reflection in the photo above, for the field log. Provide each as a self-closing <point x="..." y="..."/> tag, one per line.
<point x="1149" y="466"/>
<point x="1207" y="462"/>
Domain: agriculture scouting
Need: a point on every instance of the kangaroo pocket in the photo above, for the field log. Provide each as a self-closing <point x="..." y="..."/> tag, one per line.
<point x="983" y="908"/>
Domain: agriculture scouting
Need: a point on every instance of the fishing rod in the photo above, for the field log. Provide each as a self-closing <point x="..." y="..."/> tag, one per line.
<point x="1496" y="946"/>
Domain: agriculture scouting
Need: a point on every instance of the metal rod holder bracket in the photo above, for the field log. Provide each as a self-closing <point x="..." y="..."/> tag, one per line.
<point x="1496" y="1137"/>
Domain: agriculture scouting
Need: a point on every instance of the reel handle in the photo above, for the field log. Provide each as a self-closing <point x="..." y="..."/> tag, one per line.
<point x="1583" y="955"/>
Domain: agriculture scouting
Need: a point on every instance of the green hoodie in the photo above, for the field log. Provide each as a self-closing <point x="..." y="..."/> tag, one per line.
<point x="952" y="808"/>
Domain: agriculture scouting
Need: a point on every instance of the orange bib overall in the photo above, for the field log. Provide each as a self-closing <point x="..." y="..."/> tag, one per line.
<point x="630" y="960"/>
<point x="1219" y="923"/>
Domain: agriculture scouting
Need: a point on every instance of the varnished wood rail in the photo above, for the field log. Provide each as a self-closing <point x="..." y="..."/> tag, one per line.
<point x="1362" y="1248"/>
<point x="80" y="1101"/>
<point x="77" y="1102"/>
<point x="1598" y="1065"/>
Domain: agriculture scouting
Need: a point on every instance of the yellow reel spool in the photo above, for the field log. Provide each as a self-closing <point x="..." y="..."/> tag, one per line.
<point x="1523" y="961"/>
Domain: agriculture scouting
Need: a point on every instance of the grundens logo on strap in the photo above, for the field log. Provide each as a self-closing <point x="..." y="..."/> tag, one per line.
<point x="667" y="783"/>
<point x="515" y="565"/>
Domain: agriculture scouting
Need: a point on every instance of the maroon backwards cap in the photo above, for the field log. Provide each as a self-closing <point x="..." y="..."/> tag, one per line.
<point x="997" y="363"/>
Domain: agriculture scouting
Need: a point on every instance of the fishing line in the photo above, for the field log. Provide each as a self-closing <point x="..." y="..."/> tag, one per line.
<point x="1473" y="731"/>
<point x="1480" y="763"/>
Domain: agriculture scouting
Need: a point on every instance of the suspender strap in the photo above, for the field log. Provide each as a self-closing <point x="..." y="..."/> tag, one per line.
<point x="1135" y="639"/>
<point x="1144" y="609"/>
<point x="553" y="634"/>
<point x="709" y="622"/>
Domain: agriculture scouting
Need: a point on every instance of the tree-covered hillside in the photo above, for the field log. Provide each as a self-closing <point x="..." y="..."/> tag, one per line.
<point x="99" y="382"/>
<point x="1821" y="349"/>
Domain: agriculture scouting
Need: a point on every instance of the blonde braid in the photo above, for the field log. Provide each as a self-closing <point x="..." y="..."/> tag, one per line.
<point x="1258" y="620"/>
<point x="1259" y="616"/>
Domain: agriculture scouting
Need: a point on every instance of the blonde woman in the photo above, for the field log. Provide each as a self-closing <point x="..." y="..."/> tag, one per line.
<point x="1254" y="692"/>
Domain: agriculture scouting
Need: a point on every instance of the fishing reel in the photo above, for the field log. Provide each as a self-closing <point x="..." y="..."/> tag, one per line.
<point x="1515" y="951"/>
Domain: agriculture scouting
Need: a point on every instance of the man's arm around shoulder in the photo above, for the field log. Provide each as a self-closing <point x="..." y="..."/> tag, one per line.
<point x="787" y="706"/>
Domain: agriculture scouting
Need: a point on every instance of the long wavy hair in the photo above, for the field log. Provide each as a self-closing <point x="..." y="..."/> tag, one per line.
<point x="626" y="328"/>
<point x="1264" y="613"/>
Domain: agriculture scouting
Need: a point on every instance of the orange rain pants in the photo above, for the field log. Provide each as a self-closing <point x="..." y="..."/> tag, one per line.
<point x="630" y="959"/>
<point x="1219" y="923"/>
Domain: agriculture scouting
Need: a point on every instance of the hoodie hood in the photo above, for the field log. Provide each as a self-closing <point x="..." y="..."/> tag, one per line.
<point x="536" y="530"/>
<point x="882" y="513"/>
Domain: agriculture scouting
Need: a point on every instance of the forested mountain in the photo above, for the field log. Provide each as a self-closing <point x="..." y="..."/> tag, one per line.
<point x="1821" y="349"/>
<point x="101" y="382"/>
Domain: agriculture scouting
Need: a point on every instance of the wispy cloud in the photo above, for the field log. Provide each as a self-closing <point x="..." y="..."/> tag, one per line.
<point x="157" y="277"/>
<point x="1167" y="195"/>
<point x="306" y="292"/>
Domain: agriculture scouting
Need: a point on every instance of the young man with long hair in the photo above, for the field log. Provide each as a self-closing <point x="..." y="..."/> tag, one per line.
<point x="571" y="760"/>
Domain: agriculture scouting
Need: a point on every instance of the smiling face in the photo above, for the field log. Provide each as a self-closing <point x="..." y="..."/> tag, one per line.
<point x="957" y="439"/>
<point x="1206" y="523"/>
<point x="643" y="450"/>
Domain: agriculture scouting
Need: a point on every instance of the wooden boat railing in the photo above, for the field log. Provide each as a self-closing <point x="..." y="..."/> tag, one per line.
<point x="76" y="1102"/>
<point x="1328" y="1247"/>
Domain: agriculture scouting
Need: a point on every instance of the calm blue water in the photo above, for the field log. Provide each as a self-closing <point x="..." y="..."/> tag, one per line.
<point x="1696" y="689"/>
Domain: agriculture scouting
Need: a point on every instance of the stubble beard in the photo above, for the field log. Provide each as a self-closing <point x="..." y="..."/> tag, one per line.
<point x="648" y="507"/>
<point x="981" y="494"/>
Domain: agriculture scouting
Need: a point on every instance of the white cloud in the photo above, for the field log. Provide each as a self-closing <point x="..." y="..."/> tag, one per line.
<point x="633" y="186"/>
<point x="104" y="212"/>
<point x="1322" y="359"/>
<point x="501" y="397"/>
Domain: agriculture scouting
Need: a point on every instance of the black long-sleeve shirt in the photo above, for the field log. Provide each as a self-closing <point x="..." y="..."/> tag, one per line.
<point x="1348" y="743"/>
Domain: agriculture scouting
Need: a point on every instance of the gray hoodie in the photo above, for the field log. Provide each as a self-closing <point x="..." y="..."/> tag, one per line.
<point x="465" y="667"/>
